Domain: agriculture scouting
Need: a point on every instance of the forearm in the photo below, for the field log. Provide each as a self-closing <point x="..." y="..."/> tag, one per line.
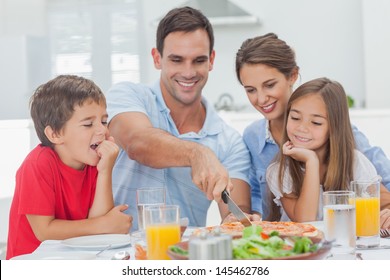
<point x="306" y="206"/>
<point x="103" y="200"/>
<point x="159" y="149"/>
<point x="58" y="229"/>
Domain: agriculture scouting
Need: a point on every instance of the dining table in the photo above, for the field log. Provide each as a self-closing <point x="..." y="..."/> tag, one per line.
<point x="58" y="249"/>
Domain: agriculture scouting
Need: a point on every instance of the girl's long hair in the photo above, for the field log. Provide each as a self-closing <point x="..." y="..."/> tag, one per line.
<point x="341" y="144"/>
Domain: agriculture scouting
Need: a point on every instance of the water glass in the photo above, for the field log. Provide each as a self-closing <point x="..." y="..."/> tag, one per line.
<point x="148" y="197"/>
<point x="339" y="221"/>
<point x="162" y="230"/>
<point x="367" y="212"/>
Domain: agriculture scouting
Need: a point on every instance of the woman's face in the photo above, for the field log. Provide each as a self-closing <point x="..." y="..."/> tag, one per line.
<point x="268" y="89"/>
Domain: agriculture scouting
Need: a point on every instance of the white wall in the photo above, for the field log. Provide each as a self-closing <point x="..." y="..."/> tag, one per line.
<point x="376" y="30"/>
<point x="326" y="35"/>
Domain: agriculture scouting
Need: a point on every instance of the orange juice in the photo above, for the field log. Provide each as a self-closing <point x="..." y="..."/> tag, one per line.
<point x="159" y="238"/>
<point x="367" y="216"/>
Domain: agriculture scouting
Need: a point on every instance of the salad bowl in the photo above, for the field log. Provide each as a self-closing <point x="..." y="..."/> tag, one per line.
<point x="322" y="248"/>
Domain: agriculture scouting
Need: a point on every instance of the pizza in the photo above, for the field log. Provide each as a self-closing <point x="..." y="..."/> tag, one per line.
<point x="284" y="228"/>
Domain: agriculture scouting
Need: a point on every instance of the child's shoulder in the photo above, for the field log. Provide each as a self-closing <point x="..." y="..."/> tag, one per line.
<point x="41" y="154"/>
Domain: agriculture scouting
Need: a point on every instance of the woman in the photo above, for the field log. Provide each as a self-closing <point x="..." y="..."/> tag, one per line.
<point x="266" y="67"/>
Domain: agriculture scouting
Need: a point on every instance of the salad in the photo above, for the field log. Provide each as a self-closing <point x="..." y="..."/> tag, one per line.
<point x="255" y="244"/>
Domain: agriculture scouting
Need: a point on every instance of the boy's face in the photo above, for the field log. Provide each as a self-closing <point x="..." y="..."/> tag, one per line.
<point x="81" y="135"/>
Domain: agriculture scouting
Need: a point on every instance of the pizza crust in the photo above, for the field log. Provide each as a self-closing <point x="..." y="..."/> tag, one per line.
<point x="284" y="228"/>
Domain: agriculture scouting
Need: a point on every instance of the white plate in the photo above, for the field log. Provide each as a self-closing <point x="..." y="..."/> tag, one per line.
<point x="56" y="256"/>
<point x="98" y="242"/>
<point x="318" y="224"/>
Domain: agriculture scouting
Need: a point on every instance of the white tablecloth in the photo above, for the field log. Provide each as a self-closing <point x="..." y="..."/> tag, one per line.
<point x="54" y="247"/>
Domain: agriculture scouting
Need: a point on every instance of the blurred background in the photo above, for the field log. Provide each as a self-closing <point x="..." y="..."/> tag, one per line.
<point x="110" y="41"/>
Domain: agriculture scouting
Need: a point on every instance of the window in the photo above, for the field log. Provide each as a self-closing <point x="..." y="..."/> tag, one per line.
<point x="95" y="39"/>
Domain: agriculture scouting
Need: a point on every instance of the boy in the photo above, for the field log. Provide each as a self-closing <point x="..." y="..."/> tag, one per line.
<point x="63" y="187"/>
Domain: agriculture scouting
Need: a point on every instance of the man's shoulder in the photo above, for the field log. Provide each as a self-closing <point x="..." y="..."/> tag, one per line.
<point x="129" y="87"/>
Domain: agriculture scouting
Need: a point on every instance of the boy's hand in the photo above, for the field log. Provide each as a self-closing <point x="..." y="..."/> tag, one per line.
<point x="119" y="222"/>
<point x="108" y="152"/>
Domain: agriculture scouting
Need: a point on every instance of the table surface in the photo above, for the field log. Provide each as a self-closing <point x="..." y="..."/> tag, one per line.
<point x="50" y="248"/>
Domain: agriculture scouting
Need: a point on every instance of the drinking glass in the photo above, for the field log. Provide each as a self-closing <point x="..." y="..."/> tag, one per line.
<point x="367" y="212"/>
<point x="162" y="230"/>
<point x="148" y="197"/>
<point x="339" y="221"/>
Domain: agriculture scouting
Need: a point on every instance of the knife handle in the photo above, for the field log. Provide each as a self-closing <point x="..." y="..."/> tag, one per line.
<point x="225" y="194"/>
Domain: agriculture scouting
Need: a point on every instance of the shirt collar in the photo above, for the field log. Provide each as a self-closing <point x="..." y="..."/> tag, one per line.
<point x="268" y="135"/>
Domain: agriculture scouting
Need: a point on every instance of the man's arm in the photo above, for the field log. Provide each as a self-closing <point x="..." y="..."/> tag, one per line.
<point x="156" y="148"/>
<point x="375" y="154"/>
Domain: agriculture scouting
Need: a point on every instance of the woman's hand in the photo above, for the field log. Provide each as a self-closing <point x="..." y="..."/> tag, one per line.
<point x="385" y="219"/>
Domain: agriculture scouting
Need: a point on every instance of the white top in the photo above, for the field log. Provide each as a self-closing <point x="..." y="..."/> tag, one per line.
<point x="362" y="170"/>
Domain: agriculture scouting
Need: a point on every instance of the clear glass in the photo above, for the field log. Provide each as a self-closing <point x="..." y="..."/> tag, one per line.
<point x="339" y="221"/>
<point x="148" y="197"/>
<point x="367" y="212"/>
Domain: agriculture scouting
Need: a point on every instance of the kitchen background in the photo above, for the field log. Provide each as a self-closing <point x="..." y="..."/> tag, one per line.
<point x="110" y="41"/>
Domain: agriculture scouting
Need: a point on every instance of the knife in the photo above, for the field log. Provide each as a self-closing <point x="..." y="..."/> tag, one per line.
<point x="236" y="211"/>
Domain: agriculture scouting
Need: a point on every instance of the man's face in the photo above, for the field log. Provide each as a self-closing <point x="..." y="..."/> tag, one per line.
<point x="184" y="65"/>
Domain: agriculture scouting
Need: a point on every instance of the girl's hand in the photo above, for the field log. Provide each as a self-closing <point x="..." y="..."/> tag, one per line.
<point x="299" y="154"/>
<point x="385" y="219"/>
<point x="108" y="152"/>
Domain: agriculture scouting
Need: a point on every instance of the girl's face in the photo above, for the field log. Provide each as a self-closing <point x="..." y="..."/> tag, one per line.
<point x="267" y="88"/>
<point x="307" y="124"/>
<point x="81" y="135"/>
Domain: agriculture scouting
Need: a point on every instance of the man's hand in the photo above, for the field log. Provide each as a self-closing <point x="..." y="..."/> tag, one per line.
<point x="252" y="217"/>
<point x="209" y="174"/>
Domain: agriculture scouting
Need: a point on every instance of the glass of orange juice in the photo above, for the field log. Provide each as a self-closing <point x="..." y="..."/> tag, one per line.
<point x="367" y="203"/>
<point x="162" y="225"/>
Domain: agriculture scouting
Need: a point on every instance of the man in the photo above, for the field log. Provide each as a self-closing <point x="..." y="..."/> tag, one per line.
<point x="169" y="135"/>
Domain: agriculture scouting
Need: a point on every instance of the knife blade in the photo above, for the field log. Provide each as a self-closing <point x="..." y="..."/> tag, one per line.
<point x="236" y="211"/>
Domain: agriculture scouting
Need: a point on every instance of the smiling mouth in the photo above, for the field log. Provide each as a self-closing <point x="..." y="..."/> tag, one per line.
<point x="302" y="139"/>
<point x="186" y="84"/>
<point x="269" y="107"/>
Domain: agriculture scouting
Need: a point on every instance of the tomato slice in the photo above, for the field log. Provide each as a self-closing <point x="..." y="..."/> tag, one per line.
<point x="264" y="235"/>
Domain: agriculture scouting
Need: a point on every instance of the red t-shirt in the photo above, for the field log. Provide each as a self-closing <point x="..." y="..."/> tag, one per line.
<point x="46" y="186"/>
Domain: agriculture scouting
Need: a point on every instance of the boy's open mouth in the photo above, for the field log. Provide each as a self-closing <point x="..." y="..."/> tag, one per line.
<point x="94" y="146"/>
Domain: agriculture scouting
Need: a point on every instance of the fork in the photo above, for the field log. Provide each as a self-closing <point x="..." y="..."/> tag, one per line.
<point x="385" y="233"/>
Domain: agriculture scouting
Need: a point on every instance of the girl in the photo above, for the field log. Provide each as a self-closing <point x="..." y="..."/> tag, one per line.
<point x="266" y="67"/>
<point x="318" y="153"/>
